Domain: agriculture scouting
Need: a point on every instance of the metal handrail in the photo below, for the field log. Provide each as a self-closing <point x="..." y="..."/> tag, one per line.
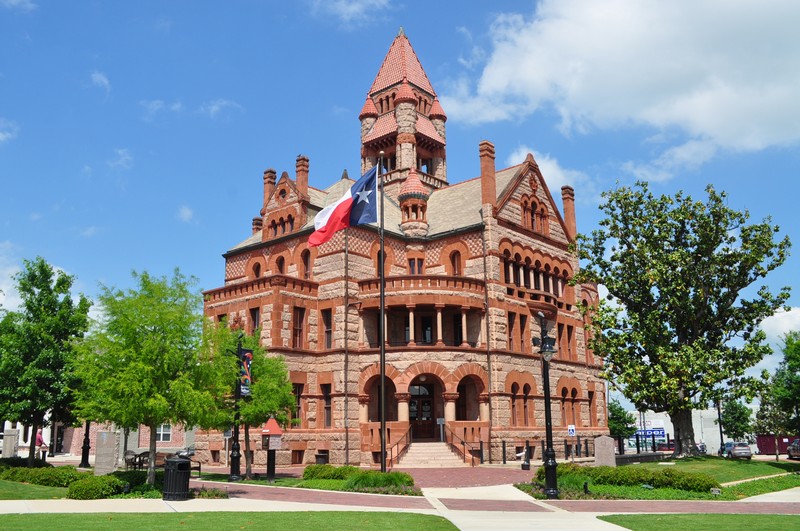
<point x="393" y="454"/>
<point x="454" y="446"/>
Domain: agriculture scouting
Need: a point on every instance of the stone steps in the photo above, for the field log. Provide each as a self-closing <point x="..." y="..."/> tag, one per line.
<point x="430" y="455"/>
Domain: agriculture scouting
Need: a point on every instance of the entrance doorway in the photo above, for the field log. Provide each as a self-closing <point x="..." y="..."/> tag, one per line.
<point x="422" y="412"/>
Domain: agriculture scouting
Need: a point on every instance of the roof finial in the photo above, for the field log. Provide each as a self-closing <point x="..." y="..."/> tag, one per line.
<point x="402" y="32"/>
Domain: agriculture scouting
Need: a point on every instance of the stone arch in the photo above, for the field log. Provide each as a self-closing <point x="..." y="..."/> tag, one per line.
<point x="375" y="370"/>
<point x="445" y="257"/>
<point x="520" y="378"/>
<point x="569" y="383"/>
<point x="427" y="367"/>
<point x="474" y="370"/>
<point x="256" y="266"/>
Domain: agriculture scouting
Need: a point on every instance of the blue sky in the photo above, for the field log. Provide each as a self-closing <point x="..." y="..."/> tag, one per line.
<point x="133" y="135"/>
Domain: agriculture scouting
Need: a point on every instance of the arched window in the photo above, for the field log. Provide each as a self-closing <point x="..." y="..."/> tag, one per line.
<point x="280" y="264"/>
<point x="282" y="224"/>
<point x="273" y="228"/>
<point x="516" y="266"/>
<point x="514" y="398"/>
<point x="507" y="267"/>
<point x="526" y="392"/>
<point x="455" y="263"/>
<point x="305" y="257"/>
<point x="256" y="270"/>
<point x="291" y="223"/>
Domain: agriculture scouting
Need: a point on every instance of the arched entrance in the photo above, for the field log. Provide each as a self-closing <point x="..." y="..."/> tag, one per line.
<point x="424" y="407"/>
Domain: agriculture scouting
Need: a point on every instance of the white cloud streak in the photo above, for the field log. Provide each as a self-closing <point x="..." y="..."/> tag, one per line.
<point x="217" y="107"/>
<point x="8" y="131"/>
<point x="21" y="5"/>
<point x="122" y="159"/>
<point x="99" y="79"/>
<point x="724" y="75"/>
<point x="185" y="214"/>
<point x="351" y="11"/>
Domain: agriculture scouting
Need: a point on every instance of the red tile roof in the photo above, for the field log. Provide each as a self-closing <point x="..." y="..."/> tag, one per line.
<point x="401" y="62"/>
<point x="437" y="111"/>
<point x="369" y="109"/>
<point x="405" y="94"/>
<point x="412" y="187"/>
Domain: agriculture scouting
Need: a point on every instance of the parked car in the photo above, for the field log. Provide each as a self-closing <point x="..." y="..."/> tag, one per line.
<point x="793" y="450"/>
<point x="737" y="449"/>
<point x="701" y="447"/>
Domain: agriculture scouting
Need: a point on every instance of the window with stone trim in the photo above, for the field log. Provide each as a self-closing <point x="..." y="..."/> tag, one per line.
<point x="298" y="327"/>
<point x="163" y="433"/>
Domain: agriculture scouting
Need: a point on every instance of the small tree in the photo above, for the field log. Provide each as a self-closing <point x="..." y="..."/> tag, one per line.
<point x="620" y="422"/>
<point x="36" y="352"/>
<point x="786" y="382"/>
<point x="771" y="418"/>
<point x="143" y="366"/>
<point x="736" y="420"/>
<point x="270" y="390"/>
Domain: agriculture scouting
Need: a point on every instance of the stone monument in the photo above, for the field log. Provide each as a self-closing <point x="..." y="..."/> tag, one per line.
<point x="106" y="451"/>
<point x="604" y="451"/>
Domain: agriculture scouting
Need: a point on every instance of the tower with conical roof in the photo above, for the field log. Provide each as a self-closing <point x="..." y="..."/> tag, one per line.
<point x="403" y="118"/>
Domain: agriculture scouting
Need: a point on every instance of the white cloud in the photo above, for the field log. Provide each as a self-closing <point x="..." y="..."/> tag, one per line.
<point x="99" y="79"/>
<point x="723" y="75"/>
<point x="8" y="130"/>
<point x="88" y="232"/>
<point x="122" y="159"/>
<point x="557" y="176"/>
<point x="215" y="107"/>
<point x="155" y="107"/>
<point x="9" y="298"/>
<point x="351" y="11"/>
<point x="185" y="214"/>
<point x="22" y="5"/>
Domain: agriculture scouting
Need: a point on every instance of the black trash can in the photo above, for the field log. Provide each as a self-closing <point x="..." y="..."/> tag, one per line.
<point x="322" y="458"/>
<point x="176" y="479"/>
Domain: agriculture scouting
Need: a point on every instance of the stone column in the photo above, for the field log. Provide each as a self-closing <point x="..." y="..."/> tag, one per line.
<point x="363" y="409"/>
<point x="411" y="339"/>
<point x="450" y="406"/>
<point x="439" y="341"/>
<point x="464" y="342"/>
<point x="483" y="400"/>
<point x="402" y="406"/>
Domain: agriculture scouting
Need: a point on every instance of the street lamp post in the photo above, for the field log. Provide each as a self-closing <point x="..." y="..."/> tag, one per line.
<point x="236" y="455"/>
<point x="547" y="350"/>
<point x="85" y="448"/>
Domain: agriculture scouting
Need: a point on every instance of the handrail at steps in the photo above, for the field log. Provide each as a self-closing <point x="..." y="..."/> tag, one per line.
<point x="398" y="449"/>
<point x="453" y="442"/>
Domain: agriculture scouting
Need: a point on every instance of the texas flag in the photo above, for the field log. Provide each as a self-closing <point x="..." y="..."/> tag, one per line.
<point x="357" y="206"/>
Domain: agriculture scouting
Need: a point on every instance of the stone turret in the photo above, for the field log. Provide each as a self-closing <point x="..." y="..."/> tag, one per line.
<point x="406" y="115"/>
<point x="413" y="200"/>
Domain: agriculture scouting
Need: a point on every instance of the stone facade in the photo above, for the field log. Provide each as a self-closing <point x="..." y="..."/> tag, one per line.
<point x="476" y="273"/>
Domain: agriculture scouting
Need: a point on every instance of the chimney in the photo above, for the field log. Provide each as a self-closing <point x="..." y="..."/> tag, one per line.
<point x="269" y="186"/>
<point x="568" y="198"/>
<point x="258" y="223"/>
<point x="488" y="182"/>
<point x="301" y="175"/>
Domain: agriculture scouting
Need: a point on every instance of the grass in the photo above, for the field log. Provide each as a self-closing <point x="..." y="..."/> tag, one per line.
<point x="724" y="470"/>
<point x="222" y="521"/>
<point x="727" y="470"/>
<point x="11" y="490"/>
<point x="704" y="522"/>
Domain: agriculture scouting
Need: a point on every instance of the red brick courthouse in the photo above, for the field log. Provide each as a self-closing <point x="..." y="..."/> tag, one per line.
<point x="469" y="267"/>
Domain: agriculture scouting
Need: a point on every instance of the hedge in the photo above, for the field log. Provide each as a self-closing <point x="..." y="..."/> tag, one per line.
<point x="95" y="487"/>
<point x="633" y="476"/>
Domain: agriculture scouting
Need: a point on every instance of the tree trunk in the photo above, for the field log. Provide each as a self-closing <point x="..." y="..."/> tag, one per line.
<point x="684" y="433"/>
<point x="32" y="445"/>
<point x="248" y="465"/>
<point x="151" y="461"/>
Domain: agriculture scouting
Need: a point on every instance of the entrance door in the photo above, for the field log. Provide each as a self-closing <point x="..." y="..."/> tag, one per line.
<point x="421" y="412"/>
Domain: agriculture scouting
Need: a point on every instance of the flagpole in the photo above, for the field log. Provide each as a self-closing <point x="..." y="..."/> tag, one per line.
<point x="382" y="323"/>
<point x="346" y="349"/>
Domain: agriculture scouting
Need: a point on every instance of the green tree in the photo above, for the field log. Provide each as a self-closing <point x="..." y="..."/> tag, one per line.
<point x="771" y="417"/>
<point x="677" y="271"/>
<point x="620" y="422"/>
<point x="36" y="350"/>
<point x="143" y="364"/>
<point x="736" y="420"/>
<point x="787" y="382"/>
<point x="270" y="390"/>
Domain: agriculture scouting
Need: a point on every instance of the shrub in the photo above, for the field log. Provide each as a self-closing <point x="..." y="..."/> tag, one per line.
<point x="210" y="493"/>
<point x="373" y="479"/>
<point x="95" y="487"/>
<point x="61" y="476"/>
<point x="633" y="476"/>
<point x="317" y="472"/>
<point x="22" y="462"/>
<point x="134" y="478"/>
<point x="140" y="491"/>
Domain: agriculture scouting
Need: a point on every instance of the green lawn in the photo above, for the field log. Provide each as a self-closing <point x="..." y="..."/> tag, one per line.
<point x="727" y="470"/>
<point x="705" y="522"/>
<point x="218" y="521"/>
<point x="11" y="490"/>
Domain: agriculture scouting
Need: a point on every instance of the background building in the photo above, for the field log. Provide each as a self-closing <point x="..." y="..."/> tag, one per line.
<point x="472" y="270"/>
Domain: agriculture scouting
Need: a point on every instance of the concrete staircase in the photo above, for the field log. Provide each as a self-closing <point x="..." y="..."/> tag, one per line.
<point x="430" y="455"/>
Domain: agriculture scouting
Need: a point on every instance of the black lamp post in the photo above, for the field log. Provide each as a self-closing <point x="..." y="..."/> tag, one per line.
<point x="236" y="455"/>
<point x="85" y="449"/>
<point x="547" y="350"/>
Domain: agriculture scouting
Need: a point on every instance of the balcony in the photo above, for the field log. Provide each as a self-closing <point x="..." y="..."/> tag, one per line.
<point x="260" y="285"/>
<point x="431" y="286"/>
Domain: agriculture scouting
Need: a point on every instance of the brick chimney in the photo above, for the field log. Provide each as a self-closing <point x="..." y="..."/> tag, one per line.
<point x="258" y="224"/>
<point x="568" y="198"/>
<point x="269" y="186"/>
<point x="488" y="180"/>
<point x="301" y="175"/>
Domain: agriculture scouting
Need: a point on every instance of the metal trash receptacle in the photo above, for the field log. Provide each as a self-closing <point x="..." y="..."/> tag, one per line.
<point x="321" y="458"/>
<point x="176" y="479"/>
